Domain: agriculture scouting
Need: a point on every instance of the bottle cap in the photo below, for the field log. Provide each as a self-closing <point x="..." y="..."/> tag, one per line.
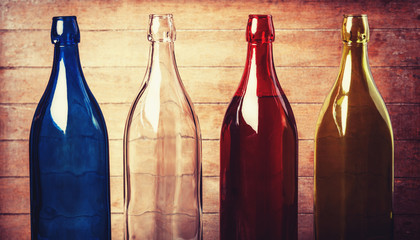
<point x="260" y="29"/>
<point x="65" y="30"/>
<point x="161" y="28"/>
<point x="355" y="29"/>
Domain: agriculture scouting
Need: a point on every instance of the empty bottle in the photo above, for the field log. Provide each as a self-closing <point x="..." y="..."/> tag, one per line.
<point x="258" y="149"/>
<point x="354" y="149"/>
<point x="162" y="149"/>
<point x="69" y="165"/>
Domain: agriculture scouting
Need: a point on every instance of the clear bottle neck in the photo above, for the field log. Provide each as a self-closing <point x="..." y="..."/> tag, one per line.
<point x="162" y="58"/>
<point x="162" y="34"/>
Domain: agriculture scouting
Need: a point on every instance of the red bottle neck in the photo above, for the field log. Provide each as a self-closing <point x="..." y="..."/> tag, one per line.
<point x="259" y="74"/>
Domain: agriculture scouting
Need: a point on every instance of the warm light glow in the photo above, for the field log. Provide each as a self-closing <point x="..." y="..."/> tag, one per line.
<point x="59" y="105"/>
<point x="250" y="102"/>
<point x="254" y="26"/>
<point x="60" y="27"/>
<point x="152" y="101"/>
<point x="341" y="106"/>
<point x="347" y="75"/>
<point x="344" y="111"/>
<point x="155" y="25"/>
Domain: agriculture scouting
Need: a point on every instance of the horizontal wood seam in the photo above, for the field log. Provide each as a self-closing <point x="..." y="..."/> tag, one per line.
<point x="202" y="29"/>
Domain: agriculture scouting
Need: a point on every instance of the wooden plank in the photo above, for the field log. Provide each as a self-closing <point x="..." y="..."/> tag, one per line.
<point x="116" y="158"/>
<point x="211" y="117"/>
<point x="209" y="48"/>
<point x="407" y="227"/>
<point x="117" y="226"/>
<point x="121" y="85"/>
<point x="405" y="119"/>
<point x="306" y="226"/>
<point x="211" y="194"/>
<point x="211" y="226"/>
<point x="18" y="227"/>
<point x="117" y="194"/>
<point x="131" y="14"/>
<point x="15" y="197"/>
<point x="306" y="195"/>
<point x="211" y="158"/>
<point x="14" y="157"/>
<point x="407" y="159"/>
<point x="306" y="158"/>
<point x="15" y="120"/>
<point x="407" y="195"/>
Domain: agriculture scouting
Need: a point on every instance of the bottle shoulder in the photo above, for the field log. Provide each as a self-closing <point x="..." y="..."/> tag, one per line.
<point x="354" y="112"/>
<point x="260" y="111"/>
<point x="157" y="111"/>
<point x="70" y="110"/>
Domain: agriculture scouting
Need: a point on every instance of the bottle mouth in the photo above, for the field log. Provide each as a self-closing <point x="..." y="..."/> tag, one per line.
<point x="260" y="29"/>
<point x="355" y="28"/>
<point x="161" y="28"/>
<point x="354" y="15"/>
<point x="162" y="16"/>
<point x="65" y="30"/>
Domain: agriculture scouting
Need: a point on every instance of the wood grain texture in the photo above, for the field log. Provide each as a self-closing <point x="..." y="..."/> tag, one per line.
<point x="207" y="14"/>
<point x="18" y="226"/>
<point x="196" y="48"/>
<point x="121" y="85"/>
<point x="407" y="227"/>
<point x="210" y="51"/>
<point x="15" y="120"/>
<point x="14" y="157"/>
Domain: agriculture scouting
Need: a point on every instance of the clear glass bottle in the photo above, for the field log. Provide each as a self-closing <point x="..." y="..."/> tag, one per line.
<point x="162" y="149"/>
<point x="258" y="149"/>
<point x="354" y="149"/>
<point x="69" y="165"/>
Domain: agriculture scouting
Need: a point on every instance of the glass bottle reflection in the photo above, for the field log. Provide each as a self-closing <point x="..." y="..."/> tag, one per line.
<point x="354" y="149"/>
<point x="162" y="149"/>
<point x="258" y="149"/>
<point x="69" y="165"/>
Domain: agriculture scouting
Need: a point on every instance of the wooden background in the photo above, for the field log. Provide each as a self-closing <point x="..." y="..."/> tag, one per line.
<point x="210" y="51"/>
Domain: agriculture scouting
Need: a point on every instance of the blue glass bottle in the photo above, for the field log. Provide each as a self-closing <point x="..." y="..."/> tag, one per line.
<point x="69" y="160"/>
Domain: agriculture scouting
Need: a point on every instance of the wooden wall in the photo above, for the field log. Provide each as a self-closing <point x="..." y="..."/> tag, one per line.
<point x="210" y="51"/>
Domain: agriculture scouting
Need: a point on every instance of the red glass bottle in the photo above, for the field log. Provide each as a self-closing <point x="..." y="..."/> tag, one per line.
<point x="258" y="149"/>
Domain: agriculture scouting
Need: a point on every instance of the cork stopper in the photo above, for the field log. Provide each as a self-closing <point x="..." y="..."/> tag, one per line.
<point x="355" y="29"/>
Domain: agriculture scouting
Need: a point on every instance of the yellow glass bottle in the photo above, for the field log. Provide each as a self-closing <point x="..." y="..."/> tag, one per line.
<point x="354" y="149"/>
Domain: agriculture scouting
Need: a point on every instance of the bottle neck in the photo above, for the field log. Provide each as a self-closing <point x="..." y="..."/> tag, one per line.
<point x="162" y="61"/>
<point x="354" y="67"/>
<point x="259" y="74"/>
<point x="66" y="58"/>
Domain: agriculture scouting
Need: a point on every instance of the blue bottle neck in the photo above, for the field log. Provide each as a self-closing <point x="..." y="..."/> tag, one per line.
<point x="69" y="54"/>
<point x="67" y="63"/>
